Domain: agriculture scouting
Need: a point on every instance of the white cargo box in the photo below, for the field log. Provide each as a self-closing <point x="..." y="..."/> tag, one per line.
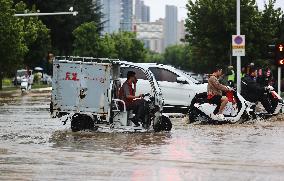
<point x="81" y="87"/>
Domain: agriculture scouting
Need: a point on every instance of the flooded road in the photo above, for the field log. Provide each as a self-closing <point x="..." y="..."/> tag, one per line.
<point x="35" y="147"/>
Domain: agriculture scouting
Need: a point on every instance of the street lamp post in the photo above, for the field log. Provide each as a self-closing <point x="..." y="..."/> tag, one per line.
<point x="71" y="12"/>
<point x="239" y="57"/>
<point x="47" y="14"/>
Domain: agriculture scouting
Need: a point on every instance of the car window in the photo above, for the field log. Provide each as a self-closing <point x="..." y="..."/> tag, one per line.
<point x="139" y="73"/>
<point x="189" y="76"/>
<point x="163" y="74"/>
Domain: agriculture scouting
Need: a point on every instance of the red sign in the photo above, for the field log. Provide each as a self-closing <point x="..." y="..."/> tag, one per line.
<point x="71" y="76"/>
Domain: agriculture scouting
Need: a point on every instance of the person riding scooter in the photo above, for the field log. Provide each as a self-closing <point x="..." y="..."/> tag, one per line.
<point x="132" y="102"/>
<point x="214" y="93"/>
<point x="252" y="91"/>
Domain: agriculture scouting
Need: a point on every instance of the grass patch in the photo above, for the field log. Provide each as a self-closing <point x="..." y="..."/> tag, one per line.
<point x="7" y="82"/>
<point x="34" y="86"/>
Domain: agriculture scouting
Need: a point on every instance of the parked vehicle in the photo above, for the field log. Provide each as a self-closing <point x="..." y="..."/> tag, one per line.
<point x="178" y="88"/>
<point x="86" y="89"/>
<point x="22" y="74"/>
<point x="196" y="76"/>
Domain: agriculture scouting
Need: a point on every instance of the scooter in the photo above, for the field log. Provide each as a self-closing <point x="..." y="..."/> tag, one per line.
<point x="275" y="101"/>
<point x="237" y="109"/>
<point x="25" y="86"/>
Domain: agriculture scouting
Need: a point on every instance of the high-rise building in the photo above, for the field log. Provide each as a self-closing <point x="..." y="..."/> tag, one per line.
<point x="171" y="23"/>
<point x="138" y="10"/>
<point x="111" y="10"/>
<point x="127" y="15"/>
<point x="145" y="13"/>
<point x="142" y="12"/>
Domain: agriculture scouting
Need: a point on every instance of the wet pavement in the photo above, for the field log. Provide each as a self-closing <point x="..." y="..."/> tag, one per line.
<point x="35" y="147"/>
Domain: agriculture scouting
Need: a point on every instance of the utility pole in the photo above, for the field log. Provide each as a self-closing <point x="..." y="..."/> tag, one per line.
<point x="239" y="57"/>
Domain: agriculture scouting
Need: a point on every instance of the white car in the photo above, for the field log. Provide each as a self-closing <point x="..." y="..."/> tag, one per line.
<point x="178" y="88"/>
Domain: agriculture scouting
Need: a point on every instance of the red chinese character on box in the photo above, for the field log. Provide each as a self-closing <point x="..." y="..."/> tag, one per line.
<point x="74" y="76"/>
<point x="67" y="76"/>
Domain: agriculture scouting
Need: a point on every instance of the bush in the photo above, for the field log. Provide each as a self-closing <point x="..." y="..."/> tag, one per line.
<point x="7" y="82"/>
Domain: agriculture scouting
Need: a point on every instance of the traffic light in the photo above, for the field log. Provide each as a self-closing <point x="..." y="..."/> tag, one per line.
<point x="279" y="54"/>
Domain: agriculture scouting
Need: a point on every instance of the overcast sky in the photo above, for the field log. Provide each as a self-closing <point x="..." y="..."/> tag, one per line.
<point x="158" y="7"/>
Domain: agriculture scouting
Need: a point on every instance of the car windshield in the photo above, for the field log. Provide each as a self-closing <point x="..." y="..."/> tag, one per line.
<point x="21" y="73"/>
<point x="189" y="76"/>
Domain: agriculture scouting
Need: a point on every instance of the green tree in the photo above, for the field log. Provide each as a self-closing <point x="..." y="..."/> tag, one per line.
<point x="12" y="43"/>
<point x="88" y="42"/>
<point x="128" y="47"/>
<point x="212" y="23"/>
<point x="62" y="26"/>
<point x="271" y="17"/>
<point x="178" y="56"/>
<point x="122" y="45"/>
<point x="36" y="36"/>
<point x="153" y="57"/>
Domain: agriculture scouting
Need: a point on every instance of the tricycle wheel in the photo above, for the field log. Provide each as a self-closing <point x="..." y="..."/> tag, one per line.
<point x="164" y="124"/>
<point x="82" y="122"/>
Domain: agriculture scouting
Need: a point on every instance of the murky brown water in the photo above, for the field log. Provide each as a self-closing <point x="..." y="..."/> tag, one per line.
<point x="35" y="147"/>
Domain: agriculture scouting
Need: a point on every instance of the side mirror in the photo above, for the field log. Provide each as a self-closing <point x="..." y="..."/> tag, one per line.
<point x="181" y="80"/>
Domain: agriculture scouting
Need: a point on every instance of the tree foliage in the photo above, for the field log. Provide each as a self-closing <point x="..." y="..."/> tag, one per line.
<point x="12" y="42"/>
<point x="62" y="26"/>
<point x="36" y="36"/>
<point x="129" y="48"/>
<point x="212" y="23"/>
<point x="122" y="45"/>
<point x="178" y="56"/>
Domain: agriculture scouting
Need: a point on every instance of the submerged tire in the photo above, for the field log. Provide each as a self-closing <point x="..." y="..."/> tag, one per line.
<point x="81" y="122"/>
<point x="192" y="115"/>
<point x="164" y="124"/>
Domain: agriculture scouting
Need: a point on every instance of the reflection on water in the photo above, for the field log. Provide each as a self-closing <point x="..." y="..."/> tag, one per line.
<point x="35" y="147"/>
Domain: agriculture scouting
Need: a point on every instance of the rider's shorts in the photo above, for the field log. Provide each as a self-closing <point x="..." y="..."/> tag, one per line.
<point x="216" y="99"/>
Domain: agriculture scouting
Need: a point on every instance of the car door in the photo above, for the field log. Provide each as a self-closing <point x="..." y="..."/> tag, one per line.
<point x="174" y="93"/>
<point x="143" y="85"/>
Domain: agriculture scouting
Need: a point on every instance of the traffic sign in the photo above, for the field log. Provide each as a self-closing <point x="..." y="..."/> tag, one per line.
<point x="238" y="45"/>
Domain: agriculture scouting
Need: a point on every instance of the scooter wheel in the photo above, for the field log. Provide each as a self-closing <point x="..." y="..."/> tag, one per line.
<point x="192" y="115"/>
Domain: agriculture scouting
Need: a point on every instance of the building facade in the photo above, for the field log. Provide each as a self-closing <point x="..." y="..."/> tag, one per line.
<point x="152" y="34"/>
<point x="126" y="23"/>
<point x="112" y="13"/>
<point x="142" y="12"/>
<point x="171" y="26"/>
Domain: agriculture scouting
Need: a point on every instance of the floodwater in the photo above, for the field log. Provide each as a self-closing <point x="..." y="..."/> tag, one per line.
<point x="35" y="147"/>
